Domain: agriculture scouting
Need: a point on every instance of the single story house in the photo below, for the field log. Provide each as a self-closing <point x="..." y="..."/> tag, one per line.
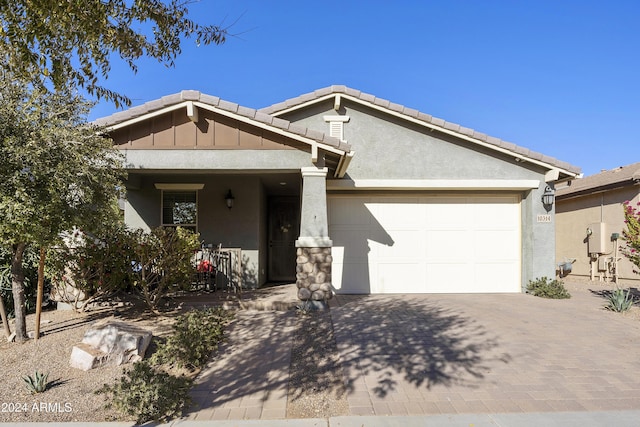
<point x="343" y="192"/>
<point x="590" y="221"/>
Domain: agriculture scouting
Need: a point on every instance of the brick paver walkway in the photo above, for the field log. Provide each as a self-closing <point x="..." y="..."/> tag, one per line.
<point x="440" y="354"/>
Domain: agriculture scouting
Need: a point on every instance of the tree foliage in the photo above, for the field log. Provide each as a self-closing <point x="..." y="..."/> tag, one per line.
<point x="56" y="173"/>
<point x="631" y="248"/>
<point x="69" y="43"/>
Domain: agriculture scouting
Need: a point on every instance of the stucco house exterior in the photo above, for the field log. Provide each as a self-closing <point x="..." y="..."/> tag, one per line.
<point x="343" y="192"/>
<point x="590" y="220"/>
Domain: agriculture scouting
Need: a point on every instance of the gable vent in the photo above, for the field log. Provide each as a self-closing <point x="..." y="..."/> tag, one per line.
<point x="336" y="126"/>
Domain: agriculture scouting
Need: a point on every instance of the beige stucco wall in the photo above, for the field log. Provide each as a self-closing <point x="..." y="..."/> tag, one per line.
<point x="574" y="215"/>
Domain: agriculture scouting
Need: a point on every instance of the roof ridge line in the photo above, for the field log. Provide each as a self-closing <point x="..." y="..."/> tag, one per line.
<point x="417" y="115"/>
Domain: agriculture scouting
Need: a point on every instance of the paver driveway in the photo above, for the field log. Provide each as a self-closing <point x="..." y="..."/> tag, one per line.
<point x="431" y="354"/>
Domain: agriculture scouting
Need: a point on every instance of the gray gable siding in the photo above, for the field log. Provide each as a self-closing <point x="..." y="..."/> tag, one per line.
<point x="389" y="148"/>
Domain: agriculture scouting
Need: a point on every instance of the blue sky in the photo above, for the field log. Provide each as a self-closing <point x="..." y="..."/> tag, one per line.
<point x="558" y="77"/>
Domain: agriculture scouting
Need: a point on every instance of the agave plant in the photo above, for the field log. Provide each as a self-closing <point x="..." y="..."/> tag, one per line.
<point x="620" y="301"/>
<point x="36" y="384"/>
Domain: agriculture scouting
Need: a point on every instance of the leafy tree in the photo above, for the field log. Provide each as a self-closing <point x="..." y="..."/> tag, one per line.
<point x="56" y="173"/>
<point x="70" y="43"/>
<point x="631" y="235"/>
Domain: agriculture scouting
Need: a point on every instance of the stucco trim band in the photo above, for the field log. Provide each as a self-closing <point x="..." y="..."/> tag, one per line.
<point x="433" y="184"/>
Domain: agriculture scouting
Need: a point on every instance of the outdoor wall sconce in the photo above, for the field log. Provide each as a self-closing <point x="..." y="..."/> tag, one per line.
<point x="229" y="199"/>
<point x="548" y="198"/>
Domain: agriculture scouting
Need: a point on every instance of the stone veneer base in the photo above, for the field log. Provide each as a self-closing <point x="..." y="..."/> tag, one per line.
<point x="313" y="274"/>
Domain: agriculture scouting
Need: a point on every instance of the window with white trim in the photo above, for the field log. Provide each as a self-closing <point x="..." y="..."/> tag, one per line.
<point x="179" y="205"/>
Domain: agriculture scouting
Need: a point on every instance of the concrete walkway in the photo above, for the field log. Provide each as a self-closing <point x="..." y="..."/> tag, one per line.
<point x="424" y="355"/>
<point x="555" y="419"/>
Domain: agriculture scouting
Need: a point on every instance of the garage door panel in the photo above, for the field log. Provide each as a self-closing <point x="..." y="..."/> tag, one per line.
<point x="497" y="277"/>
<point x="353" y="243"/>
<point x="406" y="245"/>
<point x="348" y="212"/>
<point x="445" y="277"/>
<point x="493" y="215"/>
<point x="395" y="278"/>
<point x="496" y="245"/>
<point x="446" y="216"/>
<point x="394" y="214"/>
<point x="426" y="244"/>
<point x="351" y="278"/>
<point x="446" y="244"/>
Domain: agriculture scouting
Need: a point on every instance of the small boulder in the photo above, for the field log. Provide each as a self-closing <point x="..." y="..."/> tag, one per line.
<point x="110" y="342"/>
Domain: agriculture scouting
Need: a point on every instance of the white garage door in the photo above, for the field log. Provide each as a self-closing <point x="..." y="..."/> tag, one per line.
<point x="425" y="244"/>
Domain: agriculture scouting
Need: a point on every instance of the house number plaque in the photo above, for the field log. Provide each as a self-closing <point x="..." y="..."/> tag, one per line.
<point x="544" y="218"/>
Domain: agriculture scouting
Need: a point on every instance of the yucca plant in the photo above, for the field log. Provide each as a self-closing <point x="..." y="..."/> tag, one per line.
<point x="36" y="384"/>
<point x="620" y="301"/>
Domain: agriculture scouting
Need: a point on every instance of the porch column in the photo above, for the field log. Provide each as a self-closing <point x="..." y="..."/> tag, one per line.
<point x="313" y="260"/>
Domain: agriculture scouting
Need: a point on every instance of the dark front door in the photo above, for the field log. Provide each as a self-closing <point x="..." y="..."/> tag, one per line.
<point x="284" y="227"/>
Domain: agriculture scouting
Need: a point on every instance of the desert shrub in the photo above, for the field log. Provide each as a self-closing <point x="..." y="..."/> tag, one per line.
<point x="631" y="247"/>
<point x="619" y="300"/>
<point x="161" y="262"/>
<point x="97" y="265"/>
<point x="196" y="334"/>
<point x="151" y="265"/>
<point x="543" y="287"/>
<point x="149" y="393"/>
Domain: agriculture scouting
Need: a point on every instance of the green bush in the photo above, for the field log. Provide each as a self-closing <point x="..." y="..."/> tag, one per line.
<point x="542" y="287"/>
<point x="149" y="391"/>
<point x="150" y="264"/>
<point x="620" y="301"/>
<point x="98" y="263"/>
<point x="149" y="394"/>
<point x="162" y="262"/>
<point x="196" y="334"/>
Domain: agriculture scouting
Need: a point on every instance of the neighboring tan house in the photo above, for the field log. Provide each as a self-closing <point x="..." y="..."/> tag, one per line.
<point x="590" y="221"/>
<point x="341" y="191"/>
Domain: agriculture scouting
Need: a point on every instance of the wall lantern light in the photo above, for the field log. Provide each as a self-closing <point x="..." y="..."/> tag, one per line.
<point x="229" y="199"/>
<point x="547" y="198"/>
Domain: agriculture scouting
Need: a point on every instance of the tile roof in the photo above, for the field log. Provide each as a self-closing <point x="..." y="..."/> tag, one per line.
<point x="414" y="114"/>
<point x="618" y="177"/>
<point x="220" y="104"/>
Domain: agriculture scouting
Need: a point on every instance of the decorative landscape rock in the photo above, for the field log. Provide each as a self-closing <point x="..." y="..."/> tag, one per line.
<point x="110" y="342"/>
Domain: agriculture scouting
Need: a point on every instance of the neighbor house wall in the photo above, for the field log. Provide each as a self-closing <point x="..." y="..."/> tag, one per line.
<point x="573" y="217"/>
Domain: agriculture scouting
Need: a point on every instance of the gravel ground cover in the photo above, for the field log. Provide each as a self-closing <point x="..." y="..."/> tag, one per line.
<point x="70" y="395"/>
<point x="317" y="386"/>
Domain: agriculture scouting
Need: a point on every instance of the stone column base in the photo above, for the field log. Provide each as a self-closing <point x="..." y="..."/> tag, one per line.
<point x="313" y="274"/>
